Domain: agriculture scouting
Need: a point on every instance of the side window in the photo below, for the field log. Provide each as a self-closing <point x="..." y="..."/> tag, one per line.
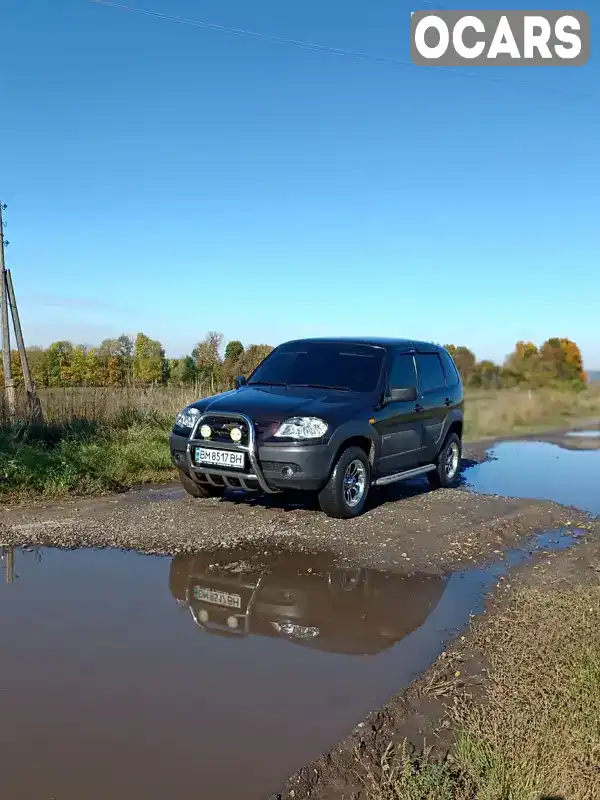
<point x="403" y="375"/>
<point x="452" y="376"/>
<point x="431" y="374"/>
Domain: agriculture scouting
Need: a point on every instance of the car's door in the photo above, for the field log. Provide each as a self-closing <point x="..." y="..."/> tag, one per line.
<point x="433" y="396"/>
<point x="398" y="423"/>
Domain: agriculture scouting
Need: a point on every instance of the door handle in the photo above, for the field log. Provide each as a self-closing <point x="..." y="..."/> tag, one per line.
<point x="447" y="402"/>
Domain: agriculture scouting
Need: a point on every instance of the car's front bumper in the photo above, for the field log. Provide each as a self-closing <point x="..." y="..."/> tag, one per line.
<point x="269" y="467"/>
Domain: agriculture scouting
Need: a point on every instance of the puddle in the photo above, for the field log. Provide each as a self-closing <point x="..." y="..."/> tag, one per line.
<point x="216" y="675"/>
<point x="539" y="470"/>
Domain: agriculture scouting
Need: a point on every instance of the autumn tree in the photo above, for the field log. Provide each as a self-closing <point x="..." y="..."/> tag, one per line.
<point x="37" y="359"/>
<point x="464" y="359"/>
<point x="485" y="375"/>
<point x="207" y="358"/>
<point x="148" y="358"/>
<point x="251" y="358"/>
<point x="561" y="362"/>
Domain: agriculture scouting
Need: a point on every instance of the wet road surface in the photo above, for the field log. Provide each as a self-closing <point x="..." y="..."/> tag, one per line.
<point x="218" y="673"/>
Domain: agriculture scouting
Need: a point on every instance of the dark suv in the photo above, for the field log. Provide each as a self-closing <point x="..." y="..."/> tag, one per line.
<point x="332" y="416"/>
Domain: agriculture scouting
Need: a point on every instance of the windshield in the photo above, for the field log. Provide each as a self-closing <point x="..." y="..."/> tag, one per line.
<point x="332" y="365"/>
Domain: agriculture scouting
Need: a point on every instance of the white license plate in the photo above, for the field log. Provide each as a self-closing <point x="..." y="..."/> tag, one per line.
<point x="221" y="458"/>
<point x="217" y="597"/>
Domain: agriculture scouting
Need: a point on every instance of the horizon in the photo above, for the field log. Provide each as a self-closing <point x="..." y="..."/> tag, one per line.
<point x="174" y="179"/>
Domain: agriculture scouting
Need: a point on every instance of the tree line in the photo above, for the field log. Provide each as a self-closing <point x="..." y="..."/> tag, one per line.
<point x="141" y="361"/>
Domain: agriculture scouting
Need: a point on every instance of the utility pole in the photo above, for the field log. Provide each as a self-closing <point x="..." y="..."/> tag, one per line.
<point x="9" y="385"/>
<point x="9" y="565"/>
<point x="33" y="400"/>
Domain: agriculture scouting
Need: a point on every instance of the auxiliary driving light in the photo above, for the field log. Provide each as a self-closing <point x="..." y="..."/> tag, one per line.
<point x="236" y="434"/>
<point x="206" y="431"/>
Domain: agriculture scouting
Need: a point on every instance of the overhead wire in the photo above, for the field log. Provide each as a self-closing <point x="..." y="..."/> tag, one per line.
<point x="337" y="51"/>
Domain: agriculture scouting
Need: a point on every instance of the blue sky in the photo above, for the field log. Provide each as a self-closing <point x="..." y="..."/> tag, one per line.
<point x="169" y="179"/>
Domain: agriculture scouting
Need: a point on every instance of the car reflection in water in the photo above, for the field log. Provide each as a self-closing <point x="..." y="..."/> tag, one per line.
<point x="302" y="598"/>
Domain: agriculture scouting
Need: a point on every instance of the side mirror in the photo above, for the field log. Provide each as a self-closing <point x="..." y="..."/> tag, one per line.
<point x="239" y="380"/>
<point x="403" y="395"/>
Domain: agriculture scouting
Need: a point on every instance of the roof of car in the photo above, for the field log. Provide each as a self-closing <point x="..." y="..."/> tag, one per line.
<point x="376" y="341"/>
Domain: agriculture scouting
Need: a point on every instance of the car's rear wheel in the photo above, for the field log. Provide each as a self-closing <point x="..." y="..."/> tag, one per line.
<point x="447" y="463"/>
<point x="200" y="490"/>
<point x="345" y="493"/>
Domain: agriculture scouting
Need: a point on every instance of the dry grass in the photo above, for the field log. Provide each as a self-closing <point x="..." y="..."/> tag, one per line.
<point x="492" y="413"/>
<point x="538" y="732"/>
<point x="487" y="413"/>
<point x="534" y="734"/>
<point x="103" y="405"/>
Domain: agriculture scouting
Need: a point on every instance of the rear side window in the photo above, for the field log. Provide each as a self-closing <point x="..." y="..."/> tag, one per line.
<point x="403" y="375"/>
<point x="452" y="376"/>
<point x="431" y="374"/>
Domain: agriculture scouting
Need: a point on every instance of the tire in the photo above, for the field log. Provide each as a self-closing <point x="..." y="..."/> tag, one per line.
<point x="334" y="501"/>
<point x="202" y="491"/>
<point x="447" y="464"/>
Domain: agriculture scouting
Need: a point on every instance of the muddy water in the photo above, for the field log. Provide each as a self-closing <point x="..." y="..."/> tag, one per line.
<point x="218" y="675"/>
<point x="542" y="470"/>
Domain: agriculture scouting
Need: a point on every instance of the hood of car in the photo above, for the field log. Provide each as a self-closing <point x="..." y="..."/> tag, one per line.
<point x="276" y="403"/>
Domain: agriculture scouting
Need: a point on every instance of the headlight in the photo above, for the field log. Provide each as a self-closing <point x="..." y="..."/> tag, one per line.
<point x="302" y="428"/>
<point x="187" y="418"/>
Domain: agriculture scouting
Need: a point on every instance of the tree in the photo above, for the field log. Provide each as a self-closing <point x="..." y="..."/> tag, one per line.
<point x="485" y="375"/>
<point x="59" y="360"/>
<point x="207" y="357"/>
<point x="37" y="358"/>
<point x="252" y="357"/>
<point x="522" y="365"/>
<point x="464" y="359"/>
<point x="233" y="350"/>
<point x="126" y="354"/>
<point x="561" y="362"/>
<point x="148" y="360"/>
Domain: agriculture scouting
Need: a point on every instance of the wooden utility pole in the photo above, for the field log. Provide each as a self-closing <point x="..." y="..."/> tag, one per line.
<point x="9" y="385"/>
<point x="32" y="398"/>
<point x="9" y="565"/>
<point x="8" y="300"/>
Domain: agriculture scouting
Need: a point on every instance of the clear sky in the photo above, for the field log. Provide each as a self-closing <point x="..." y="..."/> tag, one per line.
<point x="170" y="179"/>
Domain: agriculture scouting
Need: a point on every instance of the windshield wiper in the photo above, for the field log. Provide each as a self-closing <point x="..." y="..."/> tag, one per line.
<point x="320" y="386"/>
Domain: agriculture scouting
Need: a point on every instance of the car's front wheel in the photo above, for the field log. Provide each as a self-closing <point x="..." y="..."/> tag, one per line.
<point x="447" y="463"/>
<point x="345" y="493"/>
<point x="200" y="490"/>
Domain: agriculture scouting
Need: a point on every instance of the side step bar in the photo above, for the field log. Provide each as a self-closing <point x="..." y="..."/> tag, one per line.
<point x="402" y="476"/>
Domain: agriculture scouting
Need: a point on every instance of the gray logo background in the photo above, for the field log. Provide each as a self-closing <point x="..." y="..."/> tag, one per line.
<point x="490" y="19"/>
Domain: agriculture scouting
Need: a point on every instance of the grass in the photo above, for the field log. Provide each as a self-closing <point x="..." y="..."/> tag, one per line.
<point x="103" y="440"/>
<point x="535" y="733"/>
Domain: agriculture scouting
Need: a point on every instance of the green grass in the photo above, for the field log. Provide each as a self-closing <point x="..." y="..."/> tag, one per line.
<point x="83" y="459"/>
<point x="102" y="440"/>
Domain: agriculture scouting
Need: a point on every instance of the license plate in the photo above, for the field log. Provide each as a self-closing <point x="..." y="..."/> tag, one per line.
<point x="221" y="458"/>
<point x="217" y="597"/>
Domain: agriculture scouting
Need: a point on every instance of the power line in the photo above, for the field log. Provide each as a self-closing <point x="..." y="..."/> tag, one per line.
<point x="257" y="35"/>
<point x="320" y="48"/>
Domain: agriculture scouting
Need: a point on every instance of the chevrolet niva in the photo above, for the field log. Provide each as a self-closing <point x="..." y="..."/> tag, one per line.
<point x="330" y="416"/>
